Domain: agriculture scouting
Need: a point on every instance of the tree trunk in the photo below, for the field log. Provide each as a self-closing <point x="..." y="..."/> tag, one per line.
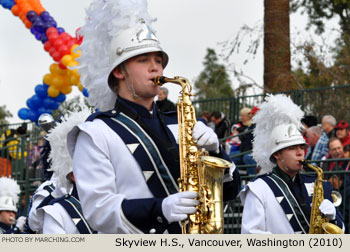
<point x="277" y="75"/>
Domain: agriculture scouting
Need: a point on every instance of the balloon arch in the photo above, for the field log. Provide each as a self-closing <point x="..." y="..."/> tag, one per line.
<point x="62" y="48"/>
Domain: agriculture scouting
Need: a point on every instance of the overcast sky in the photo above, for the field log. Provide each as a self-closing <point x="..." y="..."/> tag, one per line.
<point x="186" y="28"/>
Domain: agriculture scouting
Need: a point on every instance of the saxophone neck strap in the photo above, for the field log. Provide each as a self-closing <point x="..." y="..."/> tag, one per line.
<point x="288" y="202"/>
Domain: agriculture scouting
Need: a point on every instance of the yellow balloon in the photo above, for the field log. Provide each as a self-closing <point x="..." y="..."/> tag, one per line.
<point x="47" y="79"/>
<point x="66" y="89"/>
<point x="66" y="59"/>
<point x="54" y="68"/>
<point x="61" y="71"/>
<point x="53" y="92"/>
<point x="57" y="81"/>
<point x="74" y="80"/>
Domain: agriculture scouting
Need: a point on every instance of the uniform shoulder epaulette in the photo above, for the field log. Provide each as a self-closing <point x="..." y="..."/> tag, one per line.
<point x="99" y="114"/>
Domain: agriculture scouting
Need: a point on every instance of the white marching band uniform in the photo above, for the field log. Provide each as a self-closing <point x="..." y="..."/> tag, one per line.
<point x="262" y="212"/>
<point x="120" y="178"/>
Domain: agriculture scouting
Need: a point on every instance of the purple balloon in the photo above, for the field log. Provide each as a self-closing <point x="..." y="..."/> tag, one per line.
<point x="45" y="16"/>
<point x="60" y="30"/>
<point x="31" y="15"/>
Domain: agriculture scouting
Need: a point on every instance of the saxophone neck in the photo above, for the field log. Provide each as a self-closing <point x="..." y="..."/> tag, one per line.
<point x="317" y="169"/>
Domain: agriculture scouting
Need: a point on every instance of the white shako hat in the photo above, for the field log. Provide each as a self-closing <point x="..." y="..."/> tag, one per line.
<point x="283" y="136"/>
<point x="9" y="194"/>
<point x="276" y="127"/>
<point x="115" y="31"/>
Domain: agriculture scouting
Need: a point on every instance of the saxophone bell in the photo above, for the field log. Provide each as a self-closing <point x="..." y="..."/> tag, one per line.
<point x="337" y="198"/>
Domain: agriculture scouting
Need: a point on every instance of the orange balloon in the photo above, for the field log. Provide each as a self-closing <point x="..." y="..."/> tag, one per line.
<point x="48" y="79"/>
<point x="66" y="59"/>
<point x="66" y="90"/>
<point x="28" y="24"/>
<point x="54" y="68"/>
<point x="15" y="10"/>
<point x="53" y="92"/>
<point x="74" y="80"/>
<point x="57" y="82"/>
<point x="80" y="86"/>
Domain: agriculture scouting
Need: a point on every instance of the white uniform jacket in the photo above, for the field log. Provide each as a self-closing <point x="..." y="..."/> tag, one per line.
<point x="262" y="214"/>
<point x="116" y="194"/>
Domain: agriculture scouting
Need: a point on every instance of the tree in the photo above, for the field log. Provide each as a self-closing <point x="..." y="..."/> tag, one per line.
<point x="277" y="66"/>
<point x="4" y="113"/>
<point x="327" y="65"/>
<point x="213" y="81"/>
<point x="319" y="11"/>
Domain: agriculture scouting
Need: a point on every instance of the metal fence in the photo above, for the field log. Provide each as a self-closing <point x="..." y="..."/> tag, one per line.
<point x="316" y="101"/>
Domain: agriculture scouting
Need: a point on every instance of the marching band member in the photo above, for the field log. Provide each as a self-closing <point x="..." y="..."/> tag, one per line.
<point x="279" y="202"/>
<point x="9" y="191"/>
<point x="125" y="160"/>
<point x="63" y="215"/>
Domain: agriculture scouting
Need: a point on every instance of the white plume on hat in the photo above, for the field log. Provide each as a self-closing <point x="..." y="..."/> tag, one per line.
<point x="105" y="20"/>
<point x="275" y="110"/>
<point x="9" y="188"/>
<point x="61" y="160"/>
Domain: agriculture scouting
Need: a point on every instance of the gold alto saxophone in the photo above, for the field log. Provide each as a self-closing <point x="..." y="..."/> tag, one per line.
<point x="199" y="172"/>
<point x="318" y="223"/>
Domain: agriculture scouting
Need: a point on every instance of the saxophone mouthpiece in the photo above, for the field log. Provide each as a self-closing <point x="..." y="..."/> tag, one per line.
<point x="159" y="80"/>
<point x="303" y="162"/>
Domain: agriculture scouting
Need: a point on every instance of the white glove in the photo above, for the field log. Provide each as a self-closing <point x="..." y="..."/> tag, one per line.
<point x="328" y="209"/>
<point x="229" y="176"/>
<point x="205" y="137"/>
<point x="21" y="221"/>
<point x="177" y="206"/>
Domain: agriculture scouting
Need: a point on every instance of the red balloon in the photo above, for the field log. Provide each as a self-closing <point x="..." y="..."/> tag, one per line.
<point x="51" y="30"/>
<point x="65" y="36"/>
<point x="52" y="37"/>
<point x="58" y="43"/>
<point x="63" y="50"/>
<point x="70" y="43"/>
<point x="47" y="46"/>
<point x="52" y="50"/>
<point x="56" y="56"/>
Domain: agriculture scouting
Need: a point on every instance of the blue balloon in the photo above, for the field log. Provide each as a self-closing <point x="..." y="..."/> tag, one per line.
<point x="46" y="86"/>
<point x="55" y="105"/>
<point x="85" y="92"/>
<point x="23" y="113"/>
<point x="60" y="98"/>
<point x="7" y="3"/>
<point x="42" y="110"/>
<point x="36" y="101"/>
<point x="41" y="91"/>
<point x="32" y="115"/>
<point x="29" y="103"/>
<point x="47" y="103"/>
